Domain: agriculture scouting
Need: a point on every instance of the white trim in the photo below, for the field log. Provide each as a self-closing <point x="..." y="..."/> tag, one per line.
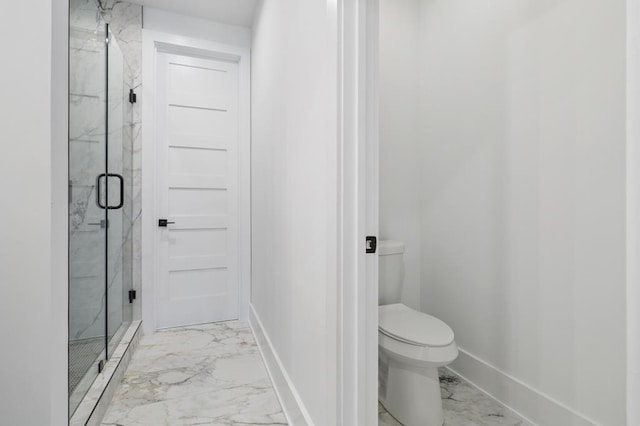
<point x="290" y="401"/>
<point x="358" y="213"/>
<point x="152" y="43"/>
<point x="531" y="404"/>
<point x="372" y="200"/>
<point x="57" y="347"/>
<point x="633" y="213"/>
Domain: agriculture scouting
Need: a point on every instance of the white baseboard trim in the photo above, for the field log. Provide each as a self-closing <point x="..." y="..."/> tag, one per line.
<point x="534" y="406"/>
<point x="292" y="406"/>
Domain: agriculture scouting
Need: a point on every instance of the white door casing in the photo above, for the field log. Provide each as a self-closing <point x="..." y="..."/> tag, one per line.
<point x="359" y="189"/>
<point x="197" y="144"/>
<point x="195" y="172"/>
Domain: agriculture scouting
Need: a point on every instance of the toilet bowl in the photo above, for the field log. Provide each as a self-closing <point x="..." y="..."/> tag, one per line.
<point x="411" y="347"/>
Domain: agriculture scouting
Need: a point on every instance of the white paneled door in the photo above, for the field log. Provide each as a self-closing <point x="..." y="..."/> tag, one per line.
<point x="197" y="180"/>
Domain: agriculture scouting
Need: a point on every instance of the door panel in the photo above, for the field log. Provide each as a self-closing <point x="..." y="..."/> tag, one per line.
<point x="197" y="190"/>
<point x="187" y="122"/>
<point x="195" y="161"/>
<point x="196" y="242"/>
<point x="196" y="201"/>
<point x="87" y="233"/>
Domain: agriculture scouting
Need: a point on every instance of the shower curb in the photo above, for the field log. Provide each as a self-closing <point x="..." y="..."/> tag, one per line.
<point x="95" y="403"/>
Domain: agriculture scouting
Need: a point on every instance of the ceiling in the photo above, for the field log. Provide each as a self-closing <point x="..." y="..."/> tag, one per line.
<point x="231" y="12"/>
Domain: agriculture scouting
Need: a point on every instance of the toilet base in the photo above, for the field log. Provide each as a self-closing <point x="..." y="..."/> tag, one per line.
<point x="409" y="393"/>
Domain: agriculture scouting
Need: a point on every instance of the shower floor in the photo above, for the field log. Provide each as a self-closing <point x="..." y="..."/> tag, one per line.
<point x="82" y="355"/>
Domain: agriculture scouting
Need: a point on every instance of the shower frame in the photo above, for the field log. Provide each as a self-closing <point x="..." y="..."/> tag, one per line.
<point x="99" y="196"/>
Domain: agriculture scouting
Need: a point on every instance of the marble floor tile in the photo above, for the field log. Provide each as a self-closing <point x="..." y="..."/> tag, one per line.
<point x="208" y="374"/>
<point x="464" y="405"/>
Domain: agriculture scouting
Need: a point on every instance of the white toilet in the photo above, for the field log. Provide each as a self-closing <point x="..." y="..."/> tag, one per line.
<point x="411" y="347"/>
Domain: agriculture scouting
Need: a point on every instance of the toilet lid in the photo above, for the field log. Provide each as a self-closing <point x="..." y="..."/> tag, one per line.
<point x="406" y="324"/>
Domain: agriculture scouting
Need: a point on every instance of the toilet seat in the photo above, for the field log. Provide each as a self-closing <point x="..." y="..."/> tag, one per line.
<point x="409" y="326"/>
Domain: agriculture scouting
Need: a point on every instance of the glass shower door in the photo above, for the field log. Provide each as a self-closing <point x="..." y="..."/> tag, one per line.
<point x="118" y="241"/>
<point x="100" y="153"/>
<point x="88" y="221"/>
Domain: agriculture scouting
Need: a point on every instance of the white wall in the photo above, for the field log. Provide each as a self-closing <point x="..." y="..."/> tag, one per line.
<point x="172" y="23"/>
<point x="33" y="306"/>
<point x="400" y="164"/>
<point x="522" y="115"/>
<point x="294" y="163"/>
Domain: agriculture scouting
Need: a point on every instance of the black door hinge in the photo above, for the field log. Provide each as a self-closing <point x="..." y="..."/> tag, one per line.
<point x="372" y="244"/>
<point x="133" y="98"/>
<point x="132" y="296"/>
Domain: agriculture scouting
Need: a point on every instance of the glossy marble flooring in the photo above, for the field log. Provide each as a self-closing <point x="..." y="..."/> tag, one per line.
<point x="213" y="374"/>
<point x="464" y="405"/>
<point x="200" y="375"/>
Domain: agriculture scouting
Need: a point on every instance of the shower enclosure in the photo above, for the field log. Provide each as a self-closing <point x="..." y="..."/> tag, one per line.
<point x="99" y="197"/>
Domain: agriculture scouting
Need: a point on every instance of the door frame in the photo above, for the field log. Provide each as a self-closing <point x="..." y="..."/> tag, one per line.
<point x="357" y="393"/>
<point x="358" y="44"/>
<point x="154" y="42"/>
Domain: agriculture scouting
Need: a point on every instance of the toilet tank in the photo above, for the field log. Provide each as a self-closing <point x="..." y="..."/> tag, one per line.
<point x="390" y="271"/>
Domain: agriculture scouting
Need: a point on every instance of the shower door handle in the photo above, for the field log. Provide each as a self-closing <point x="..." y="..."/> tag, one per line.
<point x="121" y="179"/>
<point x="99" y="190"/>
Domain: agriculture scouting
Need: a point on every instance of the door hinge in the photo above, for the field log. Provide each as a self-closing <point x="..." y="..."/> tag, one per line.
<point x="133" y="98"/>
<point x="372" y="244"/>
<point x="132" y="296"/>
<point x="100" y="366"/>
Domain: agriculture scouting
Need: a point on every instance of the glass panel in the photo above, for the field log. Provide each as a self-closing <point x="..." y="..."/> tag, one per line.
<point x="87" y="221"/>
<point x="118" y="245"/>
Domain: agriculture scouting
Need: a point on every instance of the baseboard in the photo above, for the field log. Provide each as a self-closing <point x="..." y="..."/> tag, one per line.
<point x="525" y="401"/>
<point x="292" y="406"/>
